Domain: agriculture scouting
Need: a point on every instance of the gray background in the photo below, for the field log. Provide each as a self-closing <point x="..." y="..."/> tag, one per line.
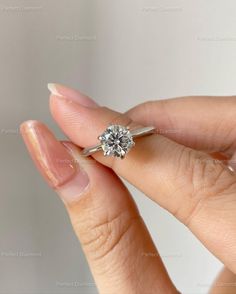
<point x="121" y="53"/>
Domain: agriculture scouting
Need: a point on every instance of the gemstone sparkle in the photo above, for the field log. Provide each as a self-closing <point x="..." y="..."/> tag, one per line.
<point x="116" y="141"/>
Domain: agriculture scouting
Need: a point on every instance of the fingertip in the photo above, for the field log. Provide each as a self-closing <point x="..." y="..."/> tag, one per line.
<point x="50" y="156"/>
<point x="71" y="94"/>
<point x="53" y="89"/>
<point x="27" y="124"/>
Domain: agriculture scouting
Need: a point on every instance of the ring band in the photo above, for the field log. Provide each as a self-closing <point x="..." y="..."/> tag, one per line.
<point x="117" y="140"/>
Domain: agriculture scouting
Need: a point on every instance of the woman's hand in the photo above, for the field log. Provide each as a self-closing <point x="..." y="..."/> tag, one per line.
<point x="174" y="168"/>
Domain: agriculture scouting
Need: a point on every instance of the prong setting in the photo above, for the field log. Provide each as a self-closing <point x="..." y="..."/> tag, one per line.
<point x="116" y="141"/>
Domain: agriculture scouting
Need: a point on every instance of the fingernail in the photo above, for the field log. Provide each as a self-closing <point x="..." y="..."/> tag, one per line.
<point x="76" y="96"/>
<point x="69" y="192"/>
<point x="53" y="160"/>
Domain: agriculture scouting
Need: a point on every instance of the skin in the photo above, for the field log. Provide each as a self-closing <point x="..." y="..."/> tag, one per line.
<point x="183" y="168"/>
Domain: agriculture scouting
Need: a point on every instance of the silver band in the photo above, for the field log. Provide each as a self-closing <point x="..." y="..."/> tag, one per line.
<point x="134" y="133"/>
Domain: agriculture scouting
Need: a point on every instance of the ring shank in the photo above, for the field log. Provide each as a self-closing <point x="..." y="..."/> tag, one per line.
<point x="90" y="150"/>
<point x="142" y="131"/>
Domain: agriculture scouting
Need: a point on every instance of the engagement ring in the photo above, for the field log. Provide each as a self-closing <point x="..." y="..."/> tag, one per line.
<point x="117" y="140"/>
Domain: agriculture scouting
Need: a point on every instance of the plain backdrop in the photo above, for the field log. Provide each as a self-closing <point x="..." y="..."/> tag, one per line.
<point x="121" y="53"/>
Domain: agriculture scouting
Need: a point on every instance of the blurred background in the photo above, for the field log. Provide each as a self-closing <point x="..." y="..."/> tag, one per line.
<point x="121" y="53"/>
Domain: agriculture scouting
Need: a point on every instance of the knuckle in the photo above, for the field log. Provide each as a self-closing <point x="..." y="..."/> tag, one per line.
<point x="212" y="178"/>
<point x="101" y="239"/>
<point x="210" y="181"/>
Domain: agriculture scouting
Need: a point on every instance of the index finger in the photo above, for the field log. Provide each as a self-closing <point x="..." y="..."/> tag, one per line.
<point x="201" y="122"/>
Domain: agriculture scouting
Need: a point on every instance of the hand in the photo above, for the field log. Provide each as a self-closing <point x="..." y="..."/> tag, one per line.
<point x="176" y="170"/>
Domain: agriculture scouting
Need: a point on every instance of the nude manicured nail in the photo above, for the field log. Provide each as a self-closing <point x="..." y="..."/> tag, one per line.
<point x="70" y="192"/>
<point x="76" y="96"/>
<point x="54" y="160"/>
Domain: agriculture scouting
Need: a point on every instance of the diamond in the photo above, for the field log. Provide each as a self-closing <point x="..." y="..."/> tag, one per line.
<point x="116" y="141"/>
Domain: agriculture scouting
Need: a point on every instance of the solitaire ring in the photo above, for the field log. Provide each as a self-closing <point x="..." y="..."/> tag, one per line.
<point x="117" y="140"/>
